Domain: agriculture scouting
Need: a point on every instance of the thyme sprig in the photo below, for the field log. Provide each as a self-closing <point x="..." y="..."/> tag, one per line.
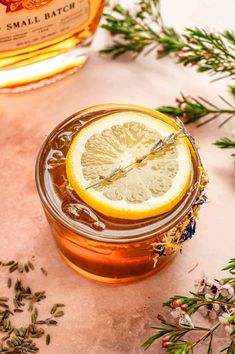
<point x="192" y="109"/>
<point x="215" y="299"/>
<point x="209" y="52"/>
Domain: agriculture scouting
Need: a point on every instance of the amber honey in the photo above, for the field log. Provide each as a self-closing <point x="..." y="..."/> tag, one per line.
<point x="100" y="247"/>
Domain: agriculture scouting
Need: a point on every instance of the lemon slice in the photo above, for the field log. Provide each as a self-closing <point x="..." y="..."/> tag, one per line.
<point x="150" y="188"/>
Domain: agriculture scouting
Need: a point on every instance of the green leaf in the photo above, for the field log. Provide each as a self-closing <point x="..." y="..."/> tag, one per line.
<point x="173" y="111"/>
<point x="225" y="143"/>
<point x="152" y="339"/>
<point x="230" y="36"/>
<point x="181" y="351"/>
<point x="232" y="89"/>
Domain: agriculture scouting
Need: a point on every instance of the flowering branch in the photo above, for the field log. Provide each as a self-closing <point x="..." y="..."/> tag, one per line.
<point x="215" y="299"/>
<point x="141" y="29"/>
<point x="192" y="109"/>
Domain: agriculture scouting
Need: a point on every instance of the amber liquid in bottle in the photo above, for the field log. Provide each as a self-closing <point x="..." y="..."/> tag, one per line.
<point x="43" y="43"/>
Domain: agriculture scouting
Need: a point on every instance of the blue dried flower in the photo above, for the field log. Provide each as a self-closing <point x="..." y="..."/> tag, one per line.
<point x="188" y="233"/>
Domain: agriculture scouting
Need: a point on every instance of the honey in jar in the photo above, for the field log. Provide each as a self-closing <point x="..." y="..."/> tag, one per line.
<point x="121" y="187"/>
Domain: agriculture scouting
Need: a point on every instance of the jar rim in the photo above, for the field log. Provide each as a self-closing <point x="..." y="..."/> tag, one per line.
<point x="92" y="234"/>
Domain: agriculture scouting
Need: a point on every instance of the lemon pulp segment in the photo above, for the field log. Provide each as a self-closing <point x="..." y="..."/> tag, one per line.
<point x="150" y="188"/>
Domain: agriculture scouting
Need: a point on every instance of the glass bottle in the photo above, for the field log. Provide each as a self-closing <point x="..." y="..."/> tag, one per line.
<point x="42" y="41"/>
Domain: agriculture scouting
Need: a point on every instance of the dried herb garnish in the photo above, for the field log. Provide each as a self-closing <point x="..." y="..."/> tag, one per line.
<point x="48" y="339"/>
<point x="21" y="268"/>
<point x="59" y="314"/>
<point x="44" y="272"/>
<point x="55" y="307"/>
<point x="31" y="266"/>
<point x="21" y="340"/>
<point x="9" y="282"/>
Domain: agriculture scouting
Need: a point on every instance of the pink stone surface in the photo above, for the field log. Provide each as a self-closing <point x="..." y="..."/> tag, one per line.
<point x="102" y="319"/>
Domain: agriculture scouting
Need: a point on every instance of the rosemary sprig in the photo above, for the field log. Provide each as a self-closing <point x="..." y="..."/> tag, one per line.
<point x="192" y="109"/>
<point x="217" y="299"/>
<point x="209" y="52"/>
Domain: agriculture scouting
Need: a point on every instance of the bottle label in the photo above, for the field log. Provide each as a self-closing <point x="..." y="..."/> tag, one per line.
<point x="25" y="23"/>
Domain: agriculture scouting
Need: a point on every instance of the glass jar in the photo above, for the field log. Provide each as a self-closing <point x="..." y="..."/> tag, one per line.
<point x="103" y="248"/>
<point x="42" y="41"/>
